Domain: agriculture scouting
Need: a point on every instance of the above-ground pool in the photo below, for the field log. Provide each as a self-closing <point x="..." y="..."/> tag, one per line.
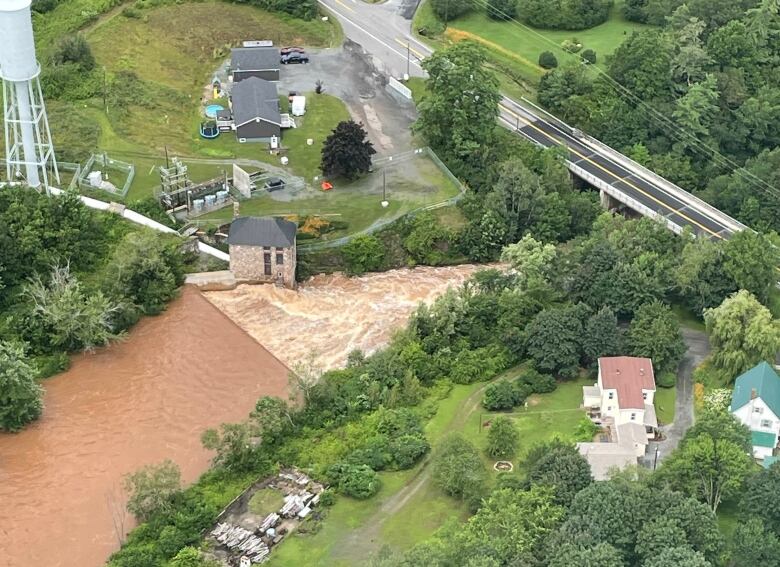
<point x="212" y="109"/>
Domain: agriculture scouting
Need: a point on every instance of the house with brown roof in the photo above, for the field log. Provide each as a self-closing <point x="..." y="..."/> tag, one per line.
<point x="621" y="401"/>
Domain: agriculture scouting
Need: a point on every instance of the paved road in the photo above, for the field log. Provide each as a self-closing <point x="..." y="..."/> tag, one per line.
<point x="698" y="349"/>
<point x="384" y="30"/>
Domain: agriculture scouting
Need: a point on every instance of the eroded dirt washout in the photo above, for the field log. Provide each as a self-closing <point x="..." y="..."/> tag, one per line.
<point x="331" y="315"/>
<point x="138" y="402"/>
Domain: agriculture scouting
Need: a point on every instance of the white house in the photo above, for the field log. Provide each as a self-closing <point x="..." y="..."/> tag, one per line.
<point x="756" y="403"/>
<point x="622" y="400"/>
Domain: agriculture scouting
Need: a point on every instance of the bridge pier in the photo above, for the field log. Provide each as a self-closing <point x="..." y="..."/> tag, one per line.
<point x="608" y="201"/>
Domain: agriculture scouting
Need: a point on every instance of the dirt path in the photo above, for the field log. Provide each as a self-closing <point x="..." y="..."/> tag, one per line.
<point x="366" y="540"/>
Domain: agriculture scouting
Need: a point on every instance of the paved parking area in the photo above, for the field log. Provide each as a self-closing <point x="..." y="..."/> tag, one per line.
<point x="347" y="73"/>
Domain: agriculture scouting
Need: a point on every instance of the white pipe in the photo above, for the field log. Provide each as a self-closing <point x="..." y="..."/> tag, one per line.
<point x="138" y="218"/>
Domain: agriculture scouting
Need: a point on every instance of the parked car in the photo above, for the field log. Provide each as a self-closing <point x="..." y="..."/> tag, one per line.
<point x="274" y="184"/>
<point x="294" y="58"/>
<point x="291" y="49"/>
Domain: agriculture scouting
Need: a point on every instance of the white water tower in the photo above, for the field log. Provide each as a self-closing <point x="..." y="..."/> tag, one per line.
<point x="28" y="147"/>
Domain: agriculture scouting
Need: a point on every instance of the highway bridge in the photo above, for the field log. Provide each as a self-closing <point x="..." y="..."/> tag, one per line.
<point x="384" y="30"/>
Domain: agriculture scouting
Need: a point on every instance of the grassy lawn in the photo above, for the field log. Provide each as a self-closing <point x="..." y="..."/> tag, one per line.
<point x="727" y="519"/>
<point x="359" y="203"/>
<point x="265" y="501"/>
<point x="664" y="405"/>
<point x="174" y="50"/>
<point x="514" y="48"/>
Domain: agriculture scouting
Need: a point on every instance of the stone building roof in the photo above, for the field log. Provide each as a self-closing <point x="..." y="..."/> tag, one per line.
<point x="262" y="231"/>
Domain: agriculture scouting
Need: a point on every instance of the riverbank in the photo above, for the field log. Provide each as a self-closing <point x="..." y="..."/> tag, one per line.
<point x="137" y="402"/>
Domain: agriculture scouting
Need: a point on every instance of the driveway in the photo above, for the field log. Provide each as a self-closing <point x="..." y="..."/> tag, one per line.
<point x="698" y="349"/>
<point x="349" y="73"/>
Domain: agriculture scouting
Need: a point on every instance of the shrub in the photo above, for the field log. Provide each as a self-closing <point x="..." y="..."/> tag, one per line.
<point x="501" y="395"/>
<point x="589" y="56"/>
<point x="585" y="430"/>
<point x="428" y="241"/>
<point x="666" y="380"/>
<point x="51" y="364"/>
<point x="502" y="9"/>
<point x="564" y="14"/>
<point x="502" y="438"/>
<point x="362" y="254"/>
<point x="151" y="489"/>
<point x="358" y="481"/>
<point x="547" y="60"/>
<point x="20" y="395"/>
<point x="458" y="469"/>
<point x="537" y="382"/>
<point x="447" y="10"/>
<point x="407" y="450"/>
<point x="571" y="45"/>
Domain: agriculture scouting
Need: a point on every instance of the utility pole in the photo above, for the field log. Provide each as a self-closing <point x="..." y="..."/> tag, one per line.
<point x="167" y="165"/>
<point x="105" y="100"/>
<point x="655" y="461"/>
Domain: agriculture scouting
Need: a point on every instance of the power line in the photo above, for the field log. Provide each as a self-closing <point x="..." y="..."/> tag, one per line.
<point x="677" y="131"/>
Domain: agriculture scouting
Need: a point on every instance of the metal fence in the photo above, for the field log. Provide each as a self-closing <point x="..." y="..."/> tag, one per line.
<point x="105" y="162"/>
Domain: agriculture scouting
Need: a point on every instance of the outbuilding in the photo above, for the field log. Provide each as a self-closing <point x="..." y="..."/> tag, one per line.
<point x="256" y="115"/>
<point x="260" y="62"/>
<point x="262" y="250"/>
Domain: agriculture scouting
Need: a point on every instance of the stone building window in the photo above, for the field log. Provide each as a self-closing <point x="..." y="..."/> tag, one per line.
<point x="267" y="262"/>
<point x="279" y="258"/>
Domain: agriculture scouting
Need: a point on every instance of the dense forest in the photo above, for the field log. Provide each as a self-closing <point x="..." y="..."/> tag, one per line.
<point x="697" y="100"/>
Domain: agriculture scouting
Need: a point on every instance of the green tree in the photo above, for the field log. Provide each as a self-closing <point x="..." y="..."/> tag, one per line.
<point x="759" y="497"/>
<point x="554" y="341"/>
<point x="751" y="261"/>
<point x="273" y="417"/>
<point x="642" y="64"/>
<point x="655" y="333"/>
<point x="364" y="253"/>
<point x="447" y="10"/>
<point x="589" y="56"/>
<point x="69" y="316"/>
<point x="564" y="469"/>
<point x="233" y="444"/>
<point x="21" y="398"/>
<point x="532" y="260"/>
<point x="458" y="115"/>
<point x="507" y="526"/>
<point x="146" y="269"/>
<point x="742" y="334"/>
<point x="677" y="557"/>
<point x="458" y="469"/>
<point x="75" y="49"/>
<point x="707" y="465"/>
<point x="358" y="481"/>
<point x="602" y="336"/>
<point x="700" y="278"/>
<point x="346" y="152"/>
<point x="502" y="9"/>
<point x="428" y="241"/>
<point x="499" y="396"/>
<point x="191" y="557"/>
<point x="600" y="555"/>
<point x="755" y="544"/>
<point x="564" y="14"/>
<point x="502" y="438"/>
<point x="547" y="60"/>
<point x="659" y="534"/>
<point x="151" y="488"/>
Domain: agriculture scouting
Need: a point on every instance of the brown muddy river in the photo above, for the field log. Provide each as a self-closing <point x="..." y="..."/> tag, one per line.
<point x="331" y="315"/>
<point x="150" y="397"/>
<point x="138" y="402"/>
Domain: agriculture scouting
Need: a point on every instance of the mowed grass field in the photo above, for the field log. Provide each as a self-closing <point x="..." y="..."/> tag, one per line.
<point x="514" y="47"/>
<point x="174" y="51"/>
<point x="410" y="507"/>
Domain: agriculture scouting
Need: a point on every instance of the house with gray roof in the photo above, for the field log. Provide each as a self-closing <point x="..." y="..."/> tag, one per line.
<point x="755" y="402"/>
<point x="262" y="250"/>
<point x="261" y="62"/>
<point x="255" y="105"/>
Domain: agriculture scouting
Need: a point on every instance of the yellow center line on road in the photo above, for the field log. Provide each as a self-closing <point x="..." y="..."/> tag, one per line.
<point x="403" y="43"/>
<point x="611" y="173"/>
<point x="346" y="7"/>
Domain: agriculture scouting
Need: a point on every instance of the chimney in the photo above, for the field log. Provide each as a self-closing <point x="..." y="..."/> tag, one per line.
<point x="236" y="206"/>
<point x="753" y="394"/>
<point x="641" y="371"/>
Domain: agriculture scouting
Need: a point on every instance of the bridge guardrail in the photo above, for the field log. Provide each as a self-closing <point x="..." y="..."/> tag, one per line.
<point x="649" y="175"/>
